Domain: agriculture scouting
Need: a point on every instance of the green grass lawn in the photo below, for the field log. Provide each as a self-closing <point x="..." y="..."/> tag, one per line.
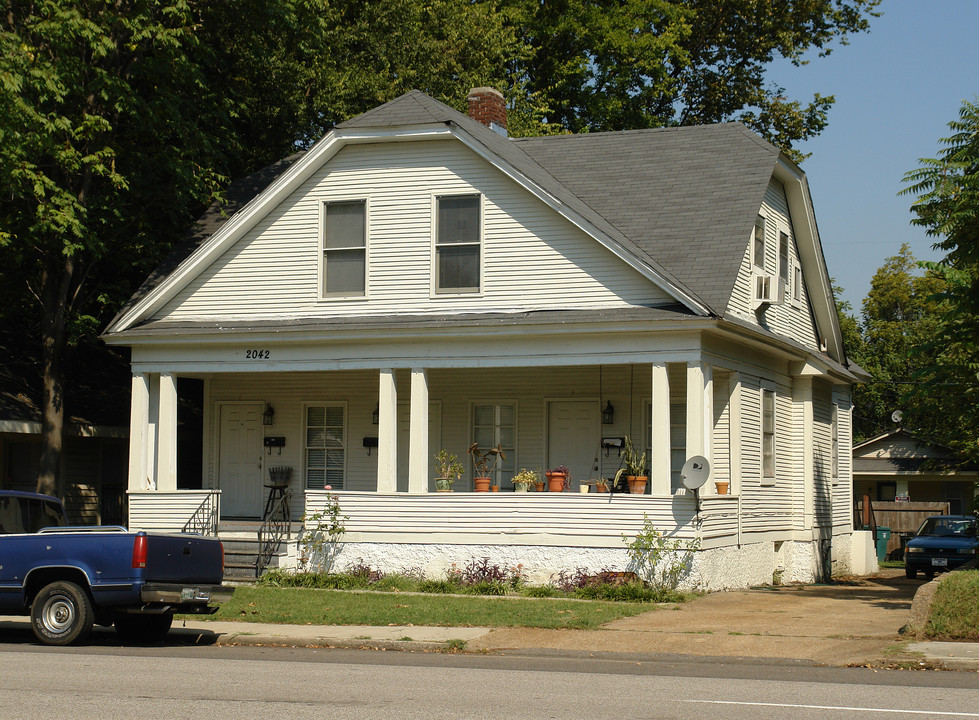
<point x="302" y="606"/>
<point x="954" y="613"/>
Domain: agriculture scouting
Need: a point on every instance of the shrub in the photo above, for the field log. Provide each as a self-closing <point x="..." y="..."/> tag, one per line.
<point x="659" y="561"/>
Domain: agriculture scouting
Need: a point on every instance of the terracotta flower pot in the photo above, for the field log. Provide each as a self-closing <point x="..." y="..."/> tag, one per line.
<point x="637" y="484"/>
<point x="494" y="488"/>
<point x="481" y="484"/>
<point x="722" y="487"/>
<point x="539" y="487"/>
<point x="555" y="481"/>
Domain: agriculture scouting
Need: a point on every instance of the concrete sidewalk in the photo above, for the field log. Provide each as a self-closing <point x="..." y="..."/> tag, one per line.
<point x="843" y="623"/>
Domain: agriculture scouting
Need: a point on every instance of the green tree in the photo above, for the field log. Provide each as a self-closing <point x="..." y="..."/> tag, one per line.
<point x="648" y="63"/>
<point x="947" y="205"/>
<point x="120" y="121"/>
<point x="900" y="314"/>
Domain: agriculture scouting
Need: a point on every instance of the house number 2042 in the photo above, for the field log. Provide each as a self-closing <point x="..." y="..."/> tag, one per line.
<point x="257" y="354"/>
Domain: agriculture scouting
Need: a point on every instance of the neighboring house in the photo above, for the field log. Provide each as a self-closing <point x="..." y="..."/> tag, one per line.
<point x="418" y="281"/>
<point x="93" y="472"/>
<point x="899" y="465"/>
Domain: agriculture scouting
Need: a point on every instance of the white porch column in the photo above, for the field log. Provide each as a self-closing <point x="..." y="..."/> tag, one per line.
<point x="166" y="456"/>
<point x="139" y="420"/>
<point x="699" y="418"/>
<point x="418" y="433"/>
<point x="387" y="433"/>
<point x="660" y="470"/>
<point x="802" y="399"/>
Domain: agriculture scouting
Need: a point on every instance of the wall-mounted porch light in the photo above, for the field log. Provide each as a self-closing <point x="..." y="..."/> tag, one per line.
<point x="608" y="414"/>
<point x="377" y="414"/>
<point x="267" y="415"/>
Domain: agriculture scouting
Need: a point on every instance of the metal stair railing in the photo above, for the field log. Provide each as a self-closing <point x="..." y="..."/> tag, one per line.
<point x="273" y="531"/>
<point x="204" y="521"/>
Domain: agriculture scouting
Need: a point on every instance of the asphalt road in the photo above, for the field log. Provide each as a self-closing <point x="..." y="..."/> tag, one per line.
<point x="214" y="682"/>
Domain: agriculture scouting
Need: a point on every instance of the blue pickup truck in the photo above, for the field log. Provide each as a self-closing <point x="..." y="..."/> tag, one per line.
<point x="71" y="578"/>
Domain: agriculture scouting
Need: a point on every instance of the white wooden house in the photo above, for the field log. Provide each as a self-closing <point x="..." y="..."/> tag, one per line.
<point x="418" y="281"/>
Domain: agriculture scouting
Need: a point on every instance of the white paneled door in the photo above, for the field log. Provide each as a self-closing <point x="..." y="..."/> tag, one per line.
<point x="573" y="436"/>
<point x="241" y="460"/>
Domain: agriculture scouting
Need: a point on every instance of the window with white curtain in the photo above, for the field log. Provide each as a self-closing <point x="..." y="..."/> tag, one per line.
<point x="324" y="446"/>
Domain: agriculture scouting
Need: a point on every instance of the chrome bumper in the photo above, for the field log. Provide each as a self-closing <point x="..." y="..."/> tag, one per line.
<point x="185" y="594"/>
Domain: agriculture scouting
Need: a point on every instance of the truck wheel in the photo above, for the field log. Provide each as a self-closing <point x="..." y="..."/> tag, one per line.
<point x="61" y="614"/>
<point x="143" y="628"/>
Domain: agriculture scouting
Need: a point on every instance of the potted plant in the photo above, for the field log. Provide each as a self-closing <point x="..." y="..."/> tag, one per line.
<point x="558" y="478"/>
<point x="449" y="470"/>
<point x="484" y="462"/>
<point x="601" y="485"/>
<point x="524" y="479"/>
<point x="635" y="468"/>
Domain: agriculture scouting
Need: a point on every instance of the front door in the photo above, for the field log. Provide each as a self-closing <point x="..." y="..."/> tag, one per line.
<point x="573" y="437"/>
<point x="241" y="460"/>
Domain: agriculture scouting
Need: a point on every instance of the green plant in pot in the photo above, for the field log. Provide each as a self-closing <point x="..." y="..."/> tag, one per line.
<point x="449" y="470"/>
<point x="484" y="462"/>
<point x="634" y="468"/>
<point x="524" y="479"/>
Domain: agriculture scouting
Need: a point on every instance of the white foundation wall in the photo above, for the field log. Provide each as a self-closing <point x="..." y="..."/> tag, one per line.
<point x="713" y="569"/>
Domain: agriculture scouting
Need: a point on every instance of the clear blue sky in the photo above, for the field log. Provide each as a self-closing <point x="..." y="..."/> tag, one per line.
<point x="896" y="87"/>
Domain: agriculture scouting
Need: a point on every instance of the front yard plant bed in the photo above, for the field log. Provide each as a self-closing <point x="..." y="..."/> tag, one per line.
<point x="312" y="606"/>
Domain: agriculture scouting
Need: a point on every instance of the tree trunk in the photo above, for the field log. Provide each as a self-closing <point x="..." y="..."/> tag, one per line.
<point x="55" y="284"/>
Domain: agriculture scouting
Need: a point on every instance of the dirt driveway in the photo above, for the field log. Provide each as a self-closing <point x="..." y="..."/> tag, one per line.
<point x="835" y="624"/>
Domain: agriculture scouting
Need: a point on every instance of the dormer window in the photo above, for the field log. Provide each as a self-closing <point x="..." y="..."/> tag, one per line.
<point x="344" y="272"/>
<point x="457" y="244"/>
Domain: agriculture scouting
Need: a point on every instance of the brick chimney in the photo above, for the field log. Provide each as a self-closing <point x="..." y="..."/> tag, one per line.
<point x="486" y="105"/>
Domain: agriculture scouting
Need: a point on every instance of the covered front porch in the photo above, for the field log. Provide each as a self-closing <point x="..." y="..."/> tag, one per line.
<point x="377" y="431"/>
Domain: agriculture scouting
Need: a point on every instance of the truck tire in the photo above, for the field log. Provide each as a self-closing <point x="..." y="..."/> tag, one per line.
<point x="61" y="614"/>
<point x="143" y="628"/>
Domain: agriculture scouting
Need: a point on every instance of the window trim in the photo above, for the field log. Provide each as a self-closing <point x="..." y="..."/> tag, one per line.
<point x="514" y="453"/>
<point x="322" y="250"/>
<point x="435" y="291"/>
<point x="306" y="404"/>
<point x="767" y="389"/>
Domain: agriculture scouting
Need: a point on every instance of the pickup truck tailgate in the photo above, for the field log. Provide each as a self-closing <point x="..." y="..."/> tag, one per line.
<point x="183" y="559"/>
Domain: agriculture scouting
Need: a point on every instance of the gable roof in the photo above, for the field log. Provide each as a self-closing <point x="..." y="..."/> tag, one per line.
<point x="902" y="451"/>
<point x="648" y="195"/>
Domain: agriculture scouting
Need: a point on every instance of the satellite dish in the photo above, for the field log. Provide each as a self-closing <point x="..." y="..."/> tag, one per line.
<point x="896" y="416"/>
<point x="695" y="472"/>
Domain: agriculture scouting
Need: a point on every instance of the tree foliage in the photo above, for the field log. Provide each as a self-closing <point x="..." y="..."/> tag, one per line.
<point x="947" y="205"/>
<point x="649" y="63"/>
<point x="899" y="315"/>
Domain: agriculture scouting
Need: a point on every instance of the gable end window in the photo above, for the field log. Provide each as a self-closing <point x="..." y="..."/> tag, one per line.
<point x="457" y="244"/>
<point x="758" y="251"/>
<point x="783" y="266"/>
<point x="345" y="248"/>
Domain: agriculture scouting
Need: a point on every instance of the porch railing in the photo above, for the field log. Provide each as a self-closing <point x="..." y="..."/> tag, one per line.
<point x="204" y="521"/>
<point x="273" y="531"/>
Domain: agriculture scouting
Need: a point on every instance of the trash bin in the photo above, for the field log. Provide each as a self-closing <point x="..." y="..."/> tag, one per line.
<point x="883" y="537"/>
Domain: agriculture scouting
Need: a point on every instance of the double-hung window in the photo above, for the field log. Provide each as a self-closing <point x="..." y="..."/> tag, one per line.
<point x="345" y="248"/>
<point x="783" y="266"/>
<point x="768" y="435"/>
<point x="457" y="244"/>
<point x="324" y="447"/>
<point x="495" y="424"/>
<point x="758" y="248"/>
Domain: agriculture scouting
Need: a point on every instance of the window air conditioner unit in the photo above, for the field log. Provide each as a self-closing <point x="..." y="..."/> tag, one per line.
<point x="766" y="291"/>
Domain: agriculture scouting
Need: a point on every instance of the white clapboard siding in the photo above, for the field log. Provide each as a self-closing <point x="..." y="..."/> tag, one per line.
<point x="843" y="490"/>
<point x="165" y="511"/>
<point x="554" y="519"/>
<point x="791" y="319"/>
<point x="532" y="258"/>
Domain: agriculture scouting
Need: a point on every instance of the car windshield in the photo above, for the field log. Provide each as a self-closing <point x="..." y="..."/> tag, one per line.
<point x="963" y="527"/>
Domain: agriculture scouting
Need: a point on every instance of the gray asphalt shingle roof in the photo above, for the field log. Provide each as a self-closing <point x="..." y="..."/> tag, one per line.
<point x="681" y="201"/>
